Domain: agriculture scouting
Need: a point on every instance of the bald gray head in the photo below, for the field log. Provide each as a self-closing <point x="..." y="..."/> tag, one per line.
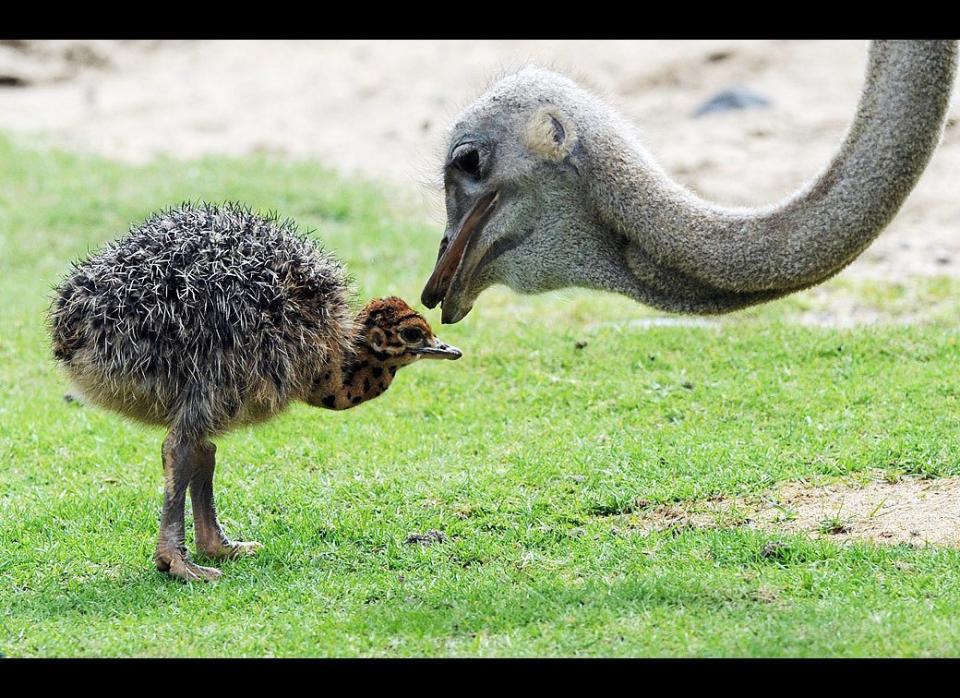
<point x="513" y="192"/>
<point x="547" y="187"/>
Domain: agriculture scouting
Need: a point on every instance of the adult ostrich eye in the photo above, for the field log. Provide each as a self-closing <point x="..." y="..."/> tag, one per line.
<point x="411" y="335"/>
<point x="467" y="160"/>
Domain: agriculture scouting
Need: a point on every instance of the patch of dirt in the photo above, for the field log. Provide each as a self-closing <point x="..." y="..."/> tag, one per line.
<point x="913" y="510"/>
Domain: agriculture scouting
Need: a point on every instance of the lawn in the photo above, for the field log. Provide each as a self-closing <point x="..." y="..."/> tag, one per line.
<point x="531" y="454"/>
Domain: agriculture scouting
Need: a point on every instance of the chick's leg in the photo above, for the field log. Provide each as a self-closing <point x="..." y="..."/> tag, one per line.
<point x="171" y="555"/>
<point x="211" y="540"/>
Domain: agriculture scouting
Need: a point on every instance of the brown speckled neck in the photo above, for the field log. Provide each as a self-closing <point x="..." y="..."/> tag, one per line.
<point x="367" y="375"/>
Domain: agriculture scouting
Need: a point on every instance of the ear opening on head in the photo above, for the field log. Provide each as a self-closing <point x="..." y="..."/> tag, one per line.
<point x="377" y="338"/>
<point x="550" y="134"/>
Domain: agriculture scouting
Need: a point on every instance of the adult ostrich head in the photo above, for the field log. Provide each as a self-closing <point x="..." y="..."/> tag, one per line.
<point x="514" y="193"/>
<point x="546" y="186"/>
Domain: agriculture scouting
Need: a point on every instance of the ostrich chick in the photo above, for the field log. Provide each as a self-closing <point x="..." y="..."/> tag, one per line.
<point x="208" y="317"/>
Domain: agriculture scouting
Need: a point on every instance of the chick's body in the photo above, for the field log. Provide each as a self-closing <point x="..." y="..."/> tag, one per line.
<point x="202" y="318"/>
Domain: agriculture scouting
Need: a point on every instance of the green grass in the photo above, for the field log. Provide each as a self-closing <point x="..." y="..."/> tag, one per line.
<point x="529" y="454"/>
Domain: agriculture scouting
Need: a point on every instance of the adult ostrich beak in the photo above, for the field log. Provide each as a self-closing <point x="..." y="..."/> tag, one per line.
<point x="450" y="267"/>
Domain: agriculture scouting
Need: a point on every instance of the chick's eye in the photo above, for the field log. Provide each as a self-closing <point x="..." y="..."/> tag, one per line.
<point x="468" y="162"/>
<point x="411" y="335"/>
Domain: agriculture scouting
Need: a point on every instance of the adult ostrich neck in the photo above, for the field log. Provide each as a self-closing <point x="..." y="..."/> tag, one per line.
<point x="733" y="257"/>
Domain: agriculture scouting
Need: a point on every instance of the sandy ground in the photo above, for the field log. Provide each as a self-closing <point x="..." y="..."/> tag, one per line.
<point x="911" y="511"/>
<point x="380" y="108"/>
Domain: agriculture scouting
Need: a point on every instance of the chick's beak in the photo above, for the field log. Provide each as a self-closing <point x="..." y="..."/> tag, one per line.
<point x="440" y="350"/>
